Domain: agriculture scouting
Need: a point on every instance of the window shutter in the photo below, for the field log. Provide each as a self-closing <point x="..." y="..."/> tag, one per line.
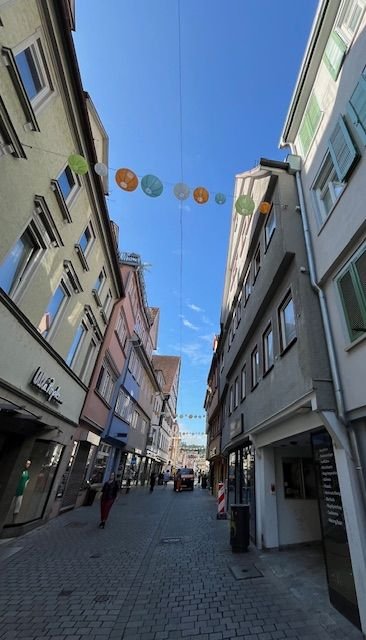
<point x="309" y="124"/>
<point x="357" y="109"/>
<point x="342" y="150"/>
<point x="360" y="266"/>
<point x="351" y="305"/>
<point x="334" y="54"/>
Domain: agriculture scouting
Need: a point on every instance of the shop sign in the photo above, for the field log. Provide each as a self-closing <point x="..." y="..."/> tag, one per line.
<point x="47" y="386"/>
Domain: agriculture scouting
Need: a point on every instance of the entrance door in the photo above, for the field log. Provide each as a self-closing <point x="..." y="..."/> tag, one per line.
<point x="10" y="446"/>
<point x="342" y="593"/>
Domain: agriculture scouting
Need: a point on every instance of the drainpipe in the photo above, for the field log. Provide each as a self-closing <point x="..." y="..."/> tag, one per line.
<point x="327" y="329"/>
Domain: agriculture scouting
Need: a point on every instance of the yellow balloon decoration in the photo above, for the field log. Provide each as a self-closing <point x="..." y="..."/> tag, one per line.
<point x="126" y="179"/>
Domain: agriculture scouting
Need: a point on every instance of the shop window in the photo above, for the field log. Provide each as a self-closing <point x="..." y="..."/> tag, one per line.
<point x="32" y="494"/>
<point x="287" y="322"/>
<point x="299" y="478"/>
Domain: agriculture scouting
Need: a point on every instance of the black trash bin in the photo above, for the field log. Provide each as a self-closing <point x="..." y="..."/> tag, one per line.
<point x="89" y="497"/>
<point x="239" y="527"/>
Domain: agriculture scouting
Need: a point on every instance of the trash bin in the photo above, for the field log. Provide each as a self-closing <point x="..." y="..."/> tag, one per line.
<point x="239" y="527"/>
<point x="89" y="497"/>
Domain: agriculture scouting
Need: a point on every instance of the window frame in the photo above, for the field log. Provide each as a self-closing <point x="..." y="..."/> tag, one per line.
<point x="56" y="321"/>
<point x="106" y="382"/>
<point x="255" y="363"/>
<point x="70" y="196"/>
<point x="346" y="35"/>
<point x="243" y="387"/>
<point x="256" y="263"/>
<point x="21" y="281"/>
<point x="34" y="44"/>
<point x="284" y="343"/>
<point x="360" y="295"/>
<point x="76" y="345"/>
<point x="267" y="363"/>
<point x="247" y="286"/>
<point x="268" y="236"/>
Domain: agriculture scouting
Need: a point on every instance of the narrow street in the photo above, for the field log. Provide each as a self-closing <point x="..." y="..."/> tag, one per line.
<point x="162" y="569"/>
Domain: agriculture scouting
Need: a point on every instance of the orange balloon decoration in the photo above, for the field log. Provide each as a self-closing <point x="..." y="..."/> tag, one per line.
<point x="201" y="195"/>
<point x="126" y="179"/>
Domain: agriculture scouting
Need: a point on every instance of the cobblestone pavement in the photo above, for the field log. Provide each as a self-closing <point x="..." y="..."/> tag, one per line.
<point x="161" y="570"/>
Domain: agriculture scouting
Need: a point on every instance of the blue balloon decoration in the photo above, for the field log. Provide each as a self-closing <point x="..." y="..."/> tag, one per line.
<point x="152" y="186"/>
<point x="220" y="198"/>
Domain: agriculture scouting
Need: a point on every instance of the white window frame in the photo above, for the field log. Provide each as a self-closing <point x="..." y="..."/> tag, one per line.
<point x="346" y="12"/>
<point x="35" y="45"/>
<point x="70" y="197"/>
<point x="56" y="321"/>
<point x="247" y="286"/>
<point x="107" y="381"/>
<point x="23" y="278"/>
<point x="326" y="185"/>
<point x="90" y="242"/>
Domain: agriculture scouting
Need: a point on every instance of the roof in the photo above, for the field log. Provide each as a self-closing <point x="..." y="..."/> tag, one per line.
<point x="169" y="365"/>
<point x="154" y="312"/>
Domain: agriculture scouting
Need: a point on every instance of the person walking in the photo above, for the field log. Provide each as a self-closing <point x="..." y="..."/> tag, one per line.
<point x="152" y="481"/>
<point x="109" y="494"/>
<point x="166" y="477"/>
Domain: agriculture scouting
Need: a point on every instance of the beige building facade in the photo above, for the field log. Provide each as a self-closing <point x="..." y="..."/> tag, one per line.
<point x="56" y="248"/>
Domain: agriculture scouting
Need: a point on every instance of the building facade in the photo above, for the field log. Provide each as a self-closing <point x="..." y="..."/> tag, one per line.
<point x="56" y="237"/>
<point x="325" y="133"/>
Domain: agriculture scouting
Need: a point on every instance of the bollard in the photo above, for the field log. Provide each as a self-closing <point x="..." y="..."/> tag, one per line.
<point x="221" y="513"/>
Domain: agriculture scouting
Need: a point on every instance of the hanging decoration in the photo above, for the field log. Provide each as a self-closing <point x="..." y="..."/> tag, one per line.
<point x="152" y="186"/>
<point x="245" y="205"/>
<point x="78" y="164"/>
<point x="220" y="198"/>
<point x="201" y="195"/>
<point x="181" y="191"/>
<point x="189" y="415"/>
<point x="265" y="207"/>
<point x="101" y="169"/>
<point x="126" y="179"/>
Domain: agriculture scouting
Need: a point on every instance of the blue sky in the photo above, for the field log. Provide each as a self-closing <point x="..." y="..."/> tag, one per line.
<point x="199" y="88"/>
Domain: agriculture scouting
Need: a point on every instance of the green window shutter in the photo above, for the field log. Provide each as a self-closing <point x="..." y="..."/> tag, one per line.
<point x="357" y="109"/>
<point x="334" y="54"/>
<point x="354" y="311"/>
<point x="343" y="151"/>
<point x="309" y="124"/>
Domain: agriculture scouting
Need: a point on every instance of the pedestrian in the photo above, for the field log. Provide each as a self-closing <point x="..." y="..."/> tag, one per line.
<point x="109" y="494"/>
<point x="166" y="477"/>
<point x="152" y="481"/>
<point x="178" y="481"/>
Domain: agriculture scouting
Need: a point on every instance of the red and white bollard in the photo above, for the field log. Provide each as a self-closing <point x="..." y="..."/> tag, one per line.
<point x="221" y="513"/>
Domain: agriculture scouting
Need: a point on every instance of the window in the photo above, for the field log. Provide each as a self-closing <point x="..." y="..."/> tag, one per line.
<point x="121" y="330"/>
<point x="68" y="183"/>
<point x="231" y="401"/>
<point x="334" y="54"/>
<point x="88" y="363"/>
<point x="20" y="262"/>
<point x="256" y="263"/>
<point x="134" y="421"/>
<point x="287" y="322"/>
<point x="236" y="392"/>
<point x="46" y="223"/>
<point x="123" y="406"/>
<point x="87" y="239"/>
<point x="255" y="367"/>
<point x="33" y="72"/>
<point x="247" y="287"/>
<point x="336" y="167"/>
<point x="106" y="381"/>
<point x="270" y="226"/>
<point x="9" y="141"/>
<point x="267" y="349"/>
<point x="55" y="309"/>
<point x="76" y="344"/>
<point x="299" y="478"/>
<point x="100" y="281"/>
<point x="349" y="19"/>
<point x="352" y="289"/>
<point x="309" y="124"/>
<point x="238" y="310"/>
<point x="243" y="382"/>
<point x="357" y="108"/>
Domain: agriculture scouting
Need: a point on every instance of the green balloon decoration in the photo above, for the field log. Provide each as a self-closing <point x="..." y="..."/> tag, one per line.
<point x="78" y="164"/>
<point x="245" y="205"/>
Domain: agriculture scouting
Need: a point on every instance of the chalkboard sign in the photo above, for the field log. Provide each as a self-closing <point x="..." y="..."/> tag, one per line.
<point x="341" y="585"/>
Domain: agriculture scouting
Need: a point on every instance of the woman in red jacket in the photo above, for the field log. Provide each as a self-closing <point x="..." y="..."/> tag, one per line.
<point x="109" y="494"/>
